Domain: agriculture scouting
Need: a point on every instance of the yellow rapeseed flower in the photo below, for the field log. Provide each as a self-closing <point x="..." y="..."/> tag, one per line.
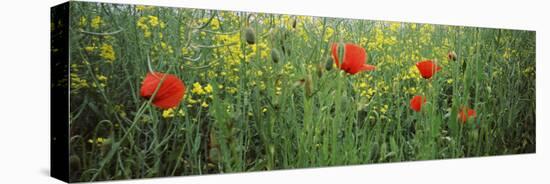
<point x="107" y="52"/>
<point x="168" y="113"/>
<point x="208" y="88"/>
<point x="197" y="89"/>
<point x="96" y="22"/>
<point x="83" y="21"/>
<point x="191" y="101"/>
<point x="153" y="20"/>
<point x="384" y="109"/>
<point x="101" y="78"/>
<point x="89" y="48"/>
<point x="363" y="85"/>
<point x="204" y="104"/>
<point x="371" y="91"/>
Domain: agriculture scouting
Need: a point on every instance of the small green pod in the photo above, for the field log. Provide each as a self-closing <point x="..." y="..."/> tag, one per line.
<point x="275" y="55"/>
<point x="329" y="64"/>
<point x="250" y="36"/>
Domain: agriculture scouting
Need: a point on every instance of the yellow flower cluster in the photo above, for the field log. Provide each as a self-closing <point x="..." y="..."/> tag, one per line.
<point x="394" y="26"/>
<point x="288" y="69"/>
<point x="102" y="81"/>
<point x="328" y="34"/>
<point x="382" y="41"/>
<point x="198" y="89"/>
<point x="146" y="23"/>
<point x="260" y="48"/>
<point x="232" y="56"/>
<point x="90" y="49"/>
<point x="96" y="22"/>
<point x="83" y="21"/>
<point x="529" y="71"/>
<point x="170" y="113"/>
<point x="107" y="52"/>
<point x="144" y="8"/>
<point x="99" y="141"/>
<point x="77" y="82"/>
<point x="167" y="48"/>
<point x="119" y="108"/>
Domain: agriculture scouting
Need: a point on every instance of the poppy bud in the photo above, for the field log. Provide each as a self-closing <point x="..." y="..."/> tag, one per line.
<point x="250" y="36"/>
<point x="308" y="86"/>
<point x="452" y="56"/>
<point x="74" y="163"/>
<point x="275" y="55"/>
<point x="214" y="155"/>
<point x="213" y="148"/>
<point x="328" y="65"/>
<point x="320" y="70"/>
<point x="272" y="149"/>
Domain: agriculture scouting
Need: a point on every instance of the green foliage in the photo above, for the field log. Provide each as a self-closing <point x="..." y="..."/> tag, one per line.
<point x="244" y="112"/>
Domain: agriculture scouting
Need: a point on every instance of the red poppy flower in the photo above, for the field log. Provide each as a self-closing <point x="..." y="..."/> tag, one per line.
<point x="354" y="58"/>
<point x="427" y="68"/>
<point x="170" y="92"/>
<point x="417" y="102"/>
<point x="466" y="113"/>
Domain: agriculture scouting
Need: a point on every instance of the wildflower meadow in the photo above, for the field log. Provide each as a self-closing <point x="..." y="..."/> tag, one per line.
<point x="158" y="91"/>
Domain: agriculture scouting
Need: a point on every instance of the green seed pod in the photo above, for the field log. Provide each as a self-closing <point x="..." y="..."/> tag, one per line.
<point x="250" y="36"/>
<point x="320" y="70"/>
<point x="328" y="65"/>
<point x="272" y="149"/>
<point x="275" y="55"/>
<point x="74" y="163"/>
<point x="308" y="86"/>
<point x="214" y="155"/>
<point x="213" y="148"/>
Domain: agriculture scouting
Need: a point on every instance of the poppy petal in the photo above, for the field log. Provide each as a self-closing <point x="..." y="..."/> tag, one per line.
<point x="170" y="92"/>
<point x="354" y="58"/>
<point x="417" y="102"/>
<point x="427" y="68"/>
<point x="366" y="67"/>
<point x="465" y="114"/>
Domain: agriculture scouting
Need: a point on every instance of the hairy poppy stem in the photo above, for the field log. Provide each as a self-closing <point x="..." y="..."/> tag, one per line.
<point x="149" y="65"/>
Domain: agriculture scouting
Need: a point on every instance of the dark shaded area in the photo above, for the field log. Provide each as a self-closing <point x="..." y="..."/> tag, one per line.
<point x="59" y="94"/>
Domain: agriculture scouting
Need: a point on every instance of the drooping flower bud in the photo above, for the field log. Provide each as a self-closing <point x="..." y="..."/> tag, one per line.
<point x="250" y="36"/>
<point x="275" y="55"/>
